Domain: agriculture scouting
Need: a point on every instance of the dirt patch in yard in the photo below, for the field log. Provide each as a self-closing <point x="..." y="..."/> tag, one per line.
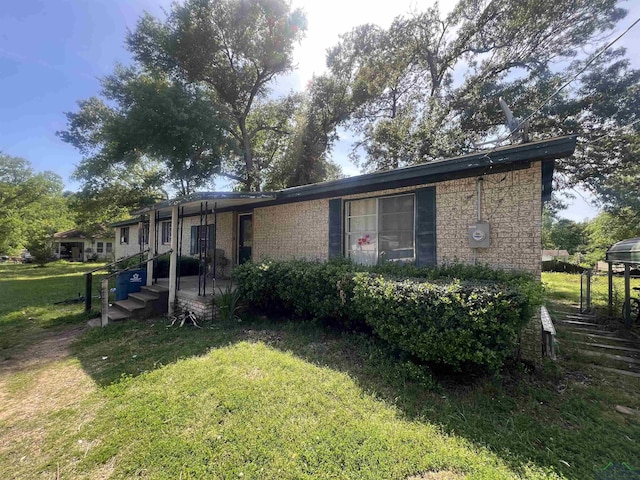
<point x="41" y="391"/>
<point x="442" y="475"/>
<point x="51" y="349"/>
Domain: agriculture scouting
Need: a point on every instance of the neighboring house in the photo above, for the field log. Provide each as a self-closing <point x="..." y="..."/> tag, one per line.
<point x="79" y="246"/>
<point x="561" y="255"/>
<point x="484" y="207"/>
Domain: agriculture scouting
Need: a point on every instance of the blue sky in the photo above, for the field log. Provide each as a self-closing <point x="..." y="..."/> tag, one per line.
<point x="52" y="53"/>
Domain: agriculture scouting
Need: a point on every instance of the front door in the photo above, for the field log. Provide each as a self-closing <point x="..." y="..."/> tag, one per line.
<point x="245" y="237"/>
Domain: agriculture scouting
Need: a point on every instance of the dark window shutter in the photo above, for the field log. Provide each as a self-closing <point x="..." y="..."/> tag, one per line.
<point x="426" y="226"/>
<point x="194" y="240"/>
<point x="335" y="228"/>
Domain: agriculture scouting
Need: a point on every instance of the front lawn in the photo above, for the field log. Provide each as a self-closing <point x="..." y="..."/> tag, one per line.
<point x="267" y="398"/>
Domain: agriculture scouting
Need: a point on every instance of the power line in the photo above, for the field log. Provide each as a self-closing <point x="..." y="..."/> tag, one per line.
<point x="622" y="127"/>
<point x="567" y="83"/>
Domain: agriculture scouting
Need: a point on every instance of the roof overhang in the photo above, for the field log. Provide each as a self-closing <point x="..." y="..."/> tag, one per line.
<point x="481" y="163"/>
<point x="496" y="160"/>
<point x="208" y="201"/>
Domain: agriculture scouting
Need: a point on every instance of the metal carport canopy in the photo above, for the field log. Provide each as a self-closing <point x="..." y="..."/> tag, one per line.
<point x="626" y="251"/>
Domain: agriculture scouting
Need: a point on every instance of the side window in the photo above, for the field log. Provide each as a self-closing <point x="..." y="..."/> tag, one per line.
<point x="124" y="235"/>
<point x="380" y="229"/>
<point x="100" y="247"/>
<point x="109" y="247"/>
<point x="166" y="232"/>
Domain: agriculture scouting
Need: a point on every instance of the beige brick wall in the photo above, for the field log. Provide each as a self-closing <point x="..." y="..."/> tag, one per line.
<point x="201" y="306"/>
<point x="511" y="204"/>
<point x="294" y="230"/>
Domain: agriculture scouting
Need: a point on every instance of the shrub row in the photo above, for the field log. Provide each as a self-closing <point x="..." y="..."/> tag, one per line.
<point x="450" y="323"/>
<point x="560" y="266"/>
<point x="454" y="315"/>
<point x="187" y="265"/>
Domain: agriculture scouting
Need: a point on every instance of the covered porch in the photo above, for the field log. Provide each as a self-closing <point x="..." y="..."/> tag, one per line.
<point x="214" y="229"/>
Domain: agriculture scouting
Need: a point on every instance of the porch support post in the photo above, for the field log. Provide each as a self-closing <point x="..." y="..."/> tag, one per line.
<point x="152" y="246"/>
<point x="173" y="259"/>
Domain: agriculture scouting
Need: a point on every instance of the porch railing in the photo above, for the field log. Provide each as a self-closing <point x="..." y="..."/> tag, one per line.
<point x="104" y="285"/>
<point x="88" y="276"/>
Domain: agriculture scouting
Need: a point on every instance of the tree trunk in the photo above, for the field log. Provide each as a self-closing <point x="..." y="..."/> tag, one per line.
<point x="250" y="184"/>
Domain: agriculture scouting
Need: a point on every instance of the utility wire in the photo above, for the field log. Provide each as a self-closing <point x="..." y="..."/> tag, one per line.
<point x="622" y="127"/>
<point x="568" y="82"/>
<point x="580" y="72"/>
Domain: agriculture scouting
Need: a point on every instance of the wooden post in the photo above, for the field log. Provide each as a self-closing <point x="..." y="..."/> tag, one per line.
<point x="104" y="289"/>
<point x="152" y="245"/>
<point x="88" y="279"/>
<point x="610" y="275"/>
<point x="173" y="260"/>
<point x="627" y="295"/>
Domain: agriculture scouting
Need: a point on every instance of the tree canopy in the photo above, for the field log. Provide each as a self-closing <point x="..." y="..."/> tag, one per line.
<point x="31" y="204"/>
<point x="233" y="50"/>
<point x="428" y="86"/>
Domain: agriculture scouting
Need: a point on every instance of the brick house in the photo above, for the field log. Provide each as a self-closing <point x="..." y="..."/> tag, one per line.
<point x="484" y="207"/>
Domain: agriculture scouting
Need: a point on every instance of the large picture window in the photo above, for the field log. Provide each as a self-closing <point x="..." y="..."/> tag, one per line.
<point x="380" y="229"/>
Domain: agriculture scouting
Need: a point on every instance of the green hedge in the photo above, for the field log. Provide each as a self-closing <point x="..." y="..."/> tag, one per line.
<point x="454" y="315"/>
<point x="306" y="289"/>
<point x="187" y="266"/>
<point x="453" y="323"/>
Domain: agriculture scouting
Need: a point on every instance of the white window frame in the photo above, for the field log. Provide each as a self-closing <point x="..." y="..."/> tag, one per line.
<point x="108" y="247"/>
<point x="125" y="232"/>
<point x="347" y="217"/>
<point x="99" y="247"/>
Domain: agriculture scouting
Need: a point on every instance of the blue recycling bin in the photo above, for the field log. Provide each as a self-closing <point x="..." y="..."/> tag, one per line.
<point x="128" y="282"/>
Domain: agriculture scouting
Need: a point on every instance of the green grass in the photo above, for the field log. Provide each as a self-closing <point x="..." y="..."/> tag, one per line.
<point x="268" y="398"/>
<point x="565" y="288"/>
<point x="27" y="297"/>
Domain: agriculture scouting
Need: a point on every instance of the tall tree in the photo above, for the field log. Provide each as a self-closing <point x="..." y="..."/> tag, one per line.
<point x="607" y="229"/>
<point x="232" y="48"/>
<point x="30" y="203"/>
<point x="428" y="86"/>
<point x="147" y="118"/>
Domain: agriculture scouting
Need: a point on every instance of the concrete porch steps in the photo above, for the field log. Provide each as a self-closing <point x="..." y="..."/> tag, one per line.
<point x="151" y="300"/>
